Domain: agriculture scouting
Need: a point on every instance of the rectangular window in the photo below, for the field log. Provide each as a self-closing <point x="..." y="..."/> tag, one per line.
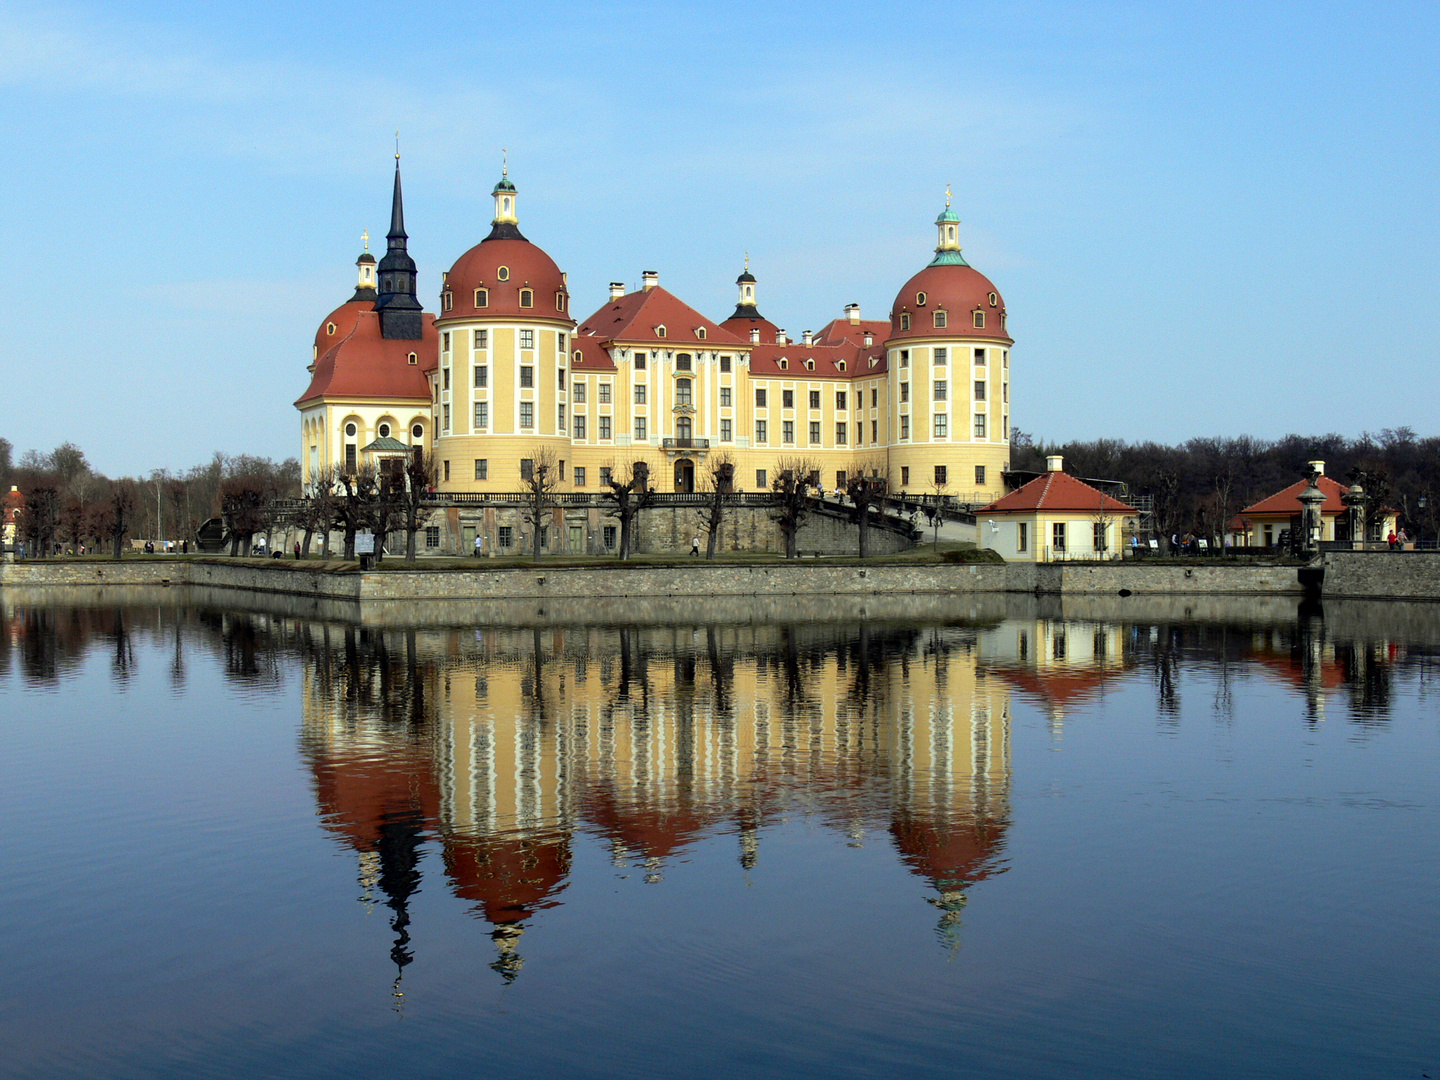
<point x="639" y="361"/>
<point x="904" y="391"/>
<point x="561" y="374"/>
<point x="639" y="393"/>
<point x="979" y="425"/>
<point x="1005" y="359"/>
<point x="527" y="414"/>
<point x="639" y="428"/>
<point x="787" y="399"/>
<point x="350" y="459"/>
<point x="941" y="356"/>
<point x="482" y="414"/>
<point x="839" y="399"/>
<point x="445" y="375"/>
<point x="904" y="475"/>
<point x="942" y="475"/>
<point x="942" y="425"/>
<point x="1005" y="392"/>
<point x="482" y="339"/>
<point x="724" y="363"/>
<point x="760" y="431"/>
<point x="579" y="426"/>
<point x="605" y="427"/>
<point x="482" y="376"/>
<point x="560" y="419"/>
<point x="904" y="357"/>
<point x="980" y="356"/>
<point x="941" y="389"/>
<point x="527" y="377"/>
<point x="874" y="431"/>
<point x="432" y="536"/>
<point x="560" y="343"/>
<point x="787" y="431"/>
<point x="608" y="532"/>
<point x="446" y="346"/>
<point x="980" y="474"/>
<point x="507" y="537"/>
<point x="527" y="469"/>
<point x="682" y="361"/>
<point x="577" y="391"/>
<point x="482" y="468"/>
<point x="446" y="471"/>
<point x="724" y="430"/>
<point x="874" y="397"/>
<point x="527" y="339"/>
<point x="815" y="433"/>
<point x="682" y="391"/>
<point x="904" y="427"/>
<point x="445" y="412"/>
<point x="1022" y="536"/>
<point x="760" y="480"/>
<point x="579" y="475"/>
<point x="604" y="393"/>
<point x="979" y="389"/>
<point x="1099" y="539"/>
<point x="760" y="397"/>
<point x="1057" y="536"/>
<point x="724" y="397"/>
<point x="839" y="434"/>
<point x="604" y="475"/>
<point x="482" y="298"/>
<point x="814" y="399"/>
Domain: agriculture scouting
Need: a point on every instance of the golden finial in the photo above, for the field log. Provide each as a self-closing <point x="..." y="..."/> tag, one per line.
<point x="747" y="260"/>
<point x="504" y="162"/>
<point x="397" y="145"/>
<point x="365" y="239"/>
<point x="947" y="196"/>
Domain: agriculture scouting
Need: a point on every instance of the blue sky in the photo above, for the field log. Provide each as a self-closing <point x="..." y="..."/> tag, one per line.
<point x="1208" y="219"/>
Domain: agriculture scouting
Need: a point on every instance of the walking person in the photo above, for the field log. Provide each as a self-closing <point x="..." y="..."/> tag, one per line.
<point x="695" y="546"/>
<point x="297" y="549"/>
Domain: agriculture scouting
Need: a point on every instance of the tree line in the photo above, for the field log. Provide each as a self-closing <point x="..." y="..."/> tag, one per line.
<point x="1200" y="485"/>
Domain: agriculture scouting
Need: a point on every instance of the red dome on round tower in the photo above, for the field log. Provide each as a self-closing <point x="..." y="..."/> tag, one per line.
<point x="504" y="269"/>
<point x="962" y="293"/>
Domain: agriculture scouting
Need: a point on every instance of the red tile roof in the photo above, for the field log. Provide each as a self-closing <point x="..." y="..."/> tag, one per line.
<point x="1287" y="502"/>
<point x="362" y="364"/>
<point x="839" y="330"/>
<point x="765" y="360"/>
<point x="741" y="326"/>
<point x="959" y="291"/>
<point x="636" y="317"/>
<point x="588" y="354"/>
<point x="1056" y="491"/>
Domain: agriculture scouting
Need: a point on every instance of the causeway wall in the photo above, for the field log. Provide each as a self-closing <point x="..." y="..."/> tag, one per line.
<point x="1382" y="575"/>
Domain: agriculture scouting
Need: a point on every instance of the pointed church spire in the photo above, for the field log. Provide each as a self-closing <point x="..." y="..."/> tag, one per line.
<point x="396" y="301"/>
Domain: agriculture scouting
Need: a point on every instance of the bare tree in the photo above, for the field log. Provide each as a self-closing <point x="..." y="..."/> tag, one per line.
<point x="354" y="510"/>
<point x="865" y="492"/>
<point x="243" y="508"/>
<point x="719" y="489"/>
<point x="628" y="491"/>
<point x="420" y="473"/>
<point x="322" y="508"/>
<point x="122" y="511"/>
<point x="1102" y="517"/>
<point x="939" y="485"/>
<point x="40" y="517"/>
<point x="792" y="497"/>
<point x="539" y="477"/>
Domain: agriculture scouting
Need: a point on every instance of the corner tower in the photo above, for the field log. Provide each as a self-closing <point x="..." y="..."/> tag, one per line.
<point x="395" y="302"/>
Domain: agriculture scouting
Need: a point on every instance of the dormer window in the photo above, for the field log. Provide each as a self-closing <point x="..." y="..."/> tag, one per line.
<point x="905" y="321"/>
<point x="447" y="301"/>
<point x="660" y="331"/>
<point x="330" y="328"/>
<point x="414" y="359"/>
<point x="869" y="340"/>
<point x="1002" y="320"/>
<point x="482" y="297"/>
<point x="700" y="332"/>
<point x="939" y="319"/>
<point x="559" y="301"/>
<point x="314" y="352"/>
<point x="784" y="364"/>
<point x="840" y="365"/>
<point x="527" y="297"/>
<point x="920" y="299"/>
<point x="979" y="319"/>
<point x="809" y="365"/>
<point x="577" y="356"/>
<point x="503" y="273"/>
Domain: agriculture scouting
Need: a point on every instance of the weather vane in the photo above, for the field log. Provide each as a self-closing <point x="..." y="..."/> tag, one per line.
<point x="504" y="162"/>
<point x="747" y="260"/>
<point x="397" y="145"/>
<point x="365" y="239"/>
<point x="947" y="196"/>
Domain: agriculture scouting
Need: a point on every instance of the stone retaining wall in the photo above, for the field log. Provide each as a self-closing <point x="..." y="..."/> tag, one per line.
<point x="1389" y="575"/>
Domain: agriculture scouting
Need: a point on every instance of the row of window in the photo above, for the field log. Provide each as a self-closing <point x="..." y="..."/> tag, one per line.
<point x="1099" y="538"/>
<point x="482" y="296"/>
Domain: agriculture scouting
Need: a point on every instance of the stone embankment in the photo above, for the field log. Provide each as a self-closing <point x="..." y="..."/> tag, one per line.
<point x="1382" y="575"/>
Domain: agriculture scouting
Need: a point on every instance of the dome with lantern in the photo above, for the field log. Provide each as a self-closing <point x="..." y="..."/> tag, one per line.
<point x="949" y="297"/>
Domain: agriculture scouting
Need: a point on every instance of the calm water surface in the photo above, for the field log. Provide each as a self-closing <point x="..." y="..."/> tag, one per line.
<point x="254" y="838"/>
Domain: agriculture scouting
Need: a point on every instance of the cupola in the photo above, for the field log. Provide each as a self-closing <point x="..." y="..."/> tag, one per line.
<point x="505" y="225"/>
<point x="947" y="225"/>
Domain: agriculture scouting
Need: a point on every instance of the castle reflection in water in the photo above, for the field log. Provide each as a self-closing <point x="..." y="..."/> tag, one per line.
<point x="506" y="743"/>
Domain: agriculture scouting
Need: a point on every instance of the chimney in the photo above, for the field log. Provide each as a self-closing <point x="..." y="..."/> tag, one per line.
<point x="652" y="279"/>
<point x="780" y="338"/>
<point x="808" y="338"/>
<point x="1054" y="463"/>
<point x="617" y="290"/>
<point x="754" y="335"/>
<point x="1318" y="466"/>
<point x="852" y="312"/>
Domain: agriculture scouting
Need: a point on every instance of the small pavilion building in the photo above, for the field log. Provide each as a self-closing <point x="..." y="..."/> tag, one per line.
<point x="1053" y="518"/>
<point x="1263" y="523"/>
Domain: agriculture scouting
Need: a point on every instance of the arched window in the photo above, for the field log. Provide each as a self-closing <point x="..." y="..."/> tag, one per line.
<point x="939" y="319"/>
<point x="905" y="321"/>
<point x="683" y="428"/>
<point x="559" y="301"/>
<point x="700" y="332"/>
<point x="527" y="297"/>
<point x="482" y="297"/>
<point x="979" y="320"/>
<point x="417" y="432"/>
<point x="660" y="331"/>
<point x="449" y="300"/>
<point x="384" y="431"/>
<point x="414" y="359"/>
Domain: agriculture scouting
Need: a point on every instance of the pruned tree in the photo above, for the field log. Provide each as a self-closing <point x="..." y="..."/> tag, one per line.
<point x="123" y="496"/>
<point x="1102" y="518"/>
<point x="628" y="491"/>
<point x="865" y="492"/>
<point x="719" y="490"/>
<point x="322" y="508"/>
<point x="243" y="508"/>
<point x="388" y="507"/>
<point x="40" y="518"/>
<point x="539" y="476"/>
<point x="940" y="486"/>
<point x="1374" y="477"/>
<point x="792" y="493"/>
<point x="354" y="504"/>
<point x="72" y="524"/>
<point x="420" y="475"/>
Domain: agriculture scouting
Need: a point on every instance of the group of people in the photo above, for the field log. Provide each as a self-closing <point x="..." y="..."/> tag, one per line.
<point x="1397" y="541"/>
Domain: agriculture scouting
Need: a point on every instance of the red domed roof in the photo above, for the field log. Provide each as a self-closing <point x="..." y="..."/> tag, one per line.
<point x="360" y="362"/>
<point x="528" y="268"/>
<point x="959" y="291"/>
<point x="339" y="325"/>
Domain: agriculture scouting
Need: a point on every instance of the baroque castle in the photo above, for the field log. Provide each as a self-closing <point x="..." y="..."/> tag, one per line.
<point x="504" y="374"/>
